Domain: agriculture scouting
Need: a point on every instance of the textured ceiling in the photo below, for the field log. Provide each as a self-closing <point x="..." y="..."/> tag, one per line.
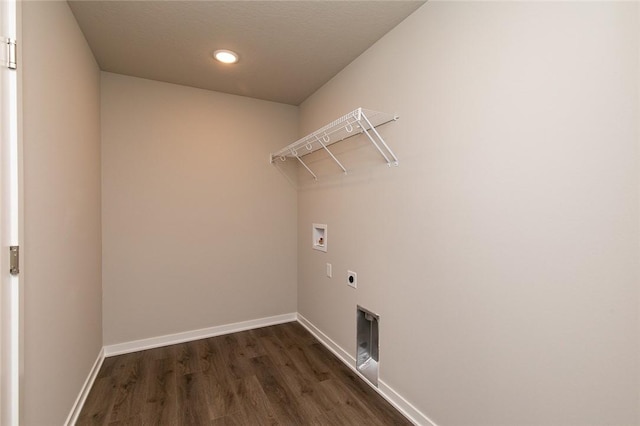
<point x="288" y="49"/>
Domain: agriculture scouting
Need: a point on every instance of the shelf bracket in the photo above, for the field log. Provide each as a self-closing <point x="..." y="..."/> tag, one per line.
<point x="380" y="139"/>
<point x="331" y="154"/>
<point x="295" y="154"/>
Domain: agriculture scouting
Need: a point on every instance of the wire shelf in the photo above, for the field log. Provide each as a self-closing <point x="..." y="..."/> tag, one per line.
<point x="354" y="123"/>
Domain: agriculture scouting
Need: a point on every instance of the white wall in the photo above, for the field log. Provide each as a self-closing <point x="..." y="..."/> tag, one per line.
<point x="62" y="247"/>
<point x="199" y="229"/>
<point x="502" y="254"/>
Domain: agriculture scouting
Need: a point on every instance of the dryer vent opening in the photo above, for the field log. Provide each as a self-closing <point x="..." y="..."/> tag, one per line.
<point x="368" y="344"/>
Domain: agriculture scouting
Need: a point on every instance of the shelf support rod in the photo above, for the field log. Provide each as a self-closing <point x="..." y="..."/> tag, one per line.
<point x="395" y="159"/>
<point x="331" y="154"/>
<point x="366" y="132"/>
<point x="305" y="166"/>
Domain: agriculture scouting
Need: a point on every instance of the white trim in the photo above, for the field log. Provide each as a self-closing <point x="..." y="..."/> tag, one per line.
<point x="416" y="416"/>
<point x="401" y="404"/>
<point x="72" y="418"/>
<point x="172" y="339"/>
<point x="330" y="344"/>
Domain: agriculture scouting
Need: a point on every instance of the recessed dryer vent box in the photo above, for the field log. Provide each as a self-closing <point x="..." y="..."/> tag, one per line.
<point x="319" y="236"/>
<point x="368" y="344"/>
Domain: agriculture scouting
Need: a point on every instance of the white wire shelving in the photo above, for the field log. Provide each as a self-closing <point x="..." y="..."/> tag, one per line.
<point x="354" y="123"/>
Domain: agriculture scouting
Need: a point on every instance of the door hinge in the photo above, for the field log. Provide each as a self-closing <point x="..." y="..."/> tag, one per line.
<point x="14" y="260"/>
<point x="12" y="55"/>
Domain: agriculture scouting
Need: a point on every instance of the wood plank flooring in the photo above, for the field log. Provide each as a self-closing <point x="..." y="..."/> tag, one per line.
<point x="278" y="375"/>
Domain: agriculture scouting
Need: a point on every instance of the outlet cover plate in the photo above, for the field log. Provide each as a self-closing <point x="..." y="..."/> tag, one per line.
<point x="352" y="279"/>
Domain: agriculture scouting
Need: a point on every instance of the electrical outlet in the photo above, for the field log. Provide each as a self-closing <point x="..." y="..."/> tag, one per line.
<point x="329" y="273"/>
<point x="352" y="279"/>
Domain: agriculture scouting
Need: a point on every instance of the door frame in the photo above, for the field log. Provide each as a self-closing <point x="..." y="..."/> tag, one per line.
<point x="11" y="209"/>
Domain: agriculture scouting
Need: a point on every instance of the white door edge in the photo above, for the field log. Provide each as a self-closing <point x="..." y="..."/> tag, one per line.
<point x="10" y="297"/>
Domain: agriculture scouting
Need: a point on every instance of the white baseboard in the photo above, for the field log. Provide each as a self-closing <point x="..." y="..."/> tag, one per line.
<point x="330" y="344"/>
<point x="72" y="418"/>
<point x="405" y="407"/>
<point x="203" y="333"/>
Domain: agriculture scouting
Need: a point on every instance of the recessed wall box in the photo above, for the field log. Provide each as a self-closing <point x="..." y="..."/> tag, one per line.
<point x="319" y="236"/>
<point x="368" y="343"/>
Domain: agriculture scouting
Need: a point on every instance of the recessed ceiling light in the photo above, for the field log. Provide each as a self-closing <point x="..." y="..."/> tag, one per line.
<point x="226" y="56"/>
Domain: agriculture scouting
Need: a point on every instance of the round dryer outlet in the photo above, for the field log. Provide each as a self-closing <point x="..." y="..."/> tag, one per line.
<point x="352" y="279"/>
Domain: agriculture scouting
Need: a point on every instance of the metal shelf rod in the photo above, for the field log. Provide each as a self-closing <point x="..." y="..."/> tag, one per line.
<point x="366" y="132"/>
<point x="332" y="156"/>
<point x="307" y="167"/>
<point x="380" y="138"/>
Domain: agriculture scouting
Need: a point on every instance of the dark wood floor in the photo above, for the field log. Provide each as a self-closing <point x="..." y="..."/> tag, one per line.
<point x="279" y="375"/>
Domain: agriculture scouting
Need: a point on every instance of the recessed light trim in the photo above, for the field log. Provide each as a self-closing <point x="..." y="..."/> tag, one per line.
<point x="226" y="56"/>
